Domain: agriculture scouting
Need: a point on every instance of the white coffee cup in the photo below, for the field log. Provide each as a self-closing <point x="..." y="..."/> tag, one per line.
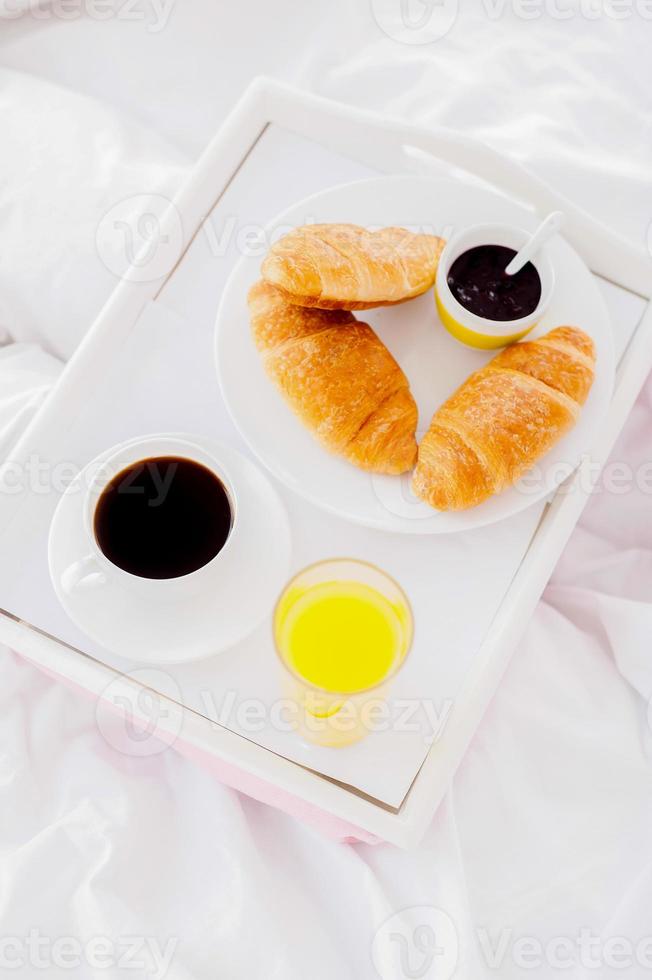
<point x="94" y="570"/>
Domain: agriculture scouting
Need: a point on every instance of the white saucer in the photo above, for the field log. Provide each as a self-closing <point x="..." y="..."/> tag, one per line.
<point x="148" y="630"/>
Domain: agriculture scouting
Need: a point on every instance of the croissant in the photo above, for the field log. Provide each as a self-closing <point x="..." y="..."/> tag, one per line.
<point x="345" y="267"/>
<point x="339" y="378"/>
<point x="503" y="418"/>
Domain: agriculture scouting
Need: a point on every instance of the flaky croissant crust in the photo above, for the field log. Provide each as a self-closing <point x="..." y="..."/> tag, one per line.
<point x="339" y="378"/>
<point x="344" y="266"/>
<point x="503" y="418"/>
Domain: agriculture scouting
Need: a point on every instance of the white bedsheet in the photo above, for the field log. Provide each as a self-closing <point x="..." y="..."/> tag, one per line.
<point x="546" y="830"/>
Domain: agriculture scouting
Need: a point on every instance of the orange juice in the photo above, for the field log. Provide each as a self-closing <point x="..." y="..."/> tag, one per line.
<point x="340" y="636"/>
<point x="340" y="639"/>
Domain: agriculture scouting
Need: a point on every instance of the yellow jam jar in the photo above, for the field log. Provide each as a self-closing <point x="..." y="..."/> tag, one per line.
<point x="477" y="302"/>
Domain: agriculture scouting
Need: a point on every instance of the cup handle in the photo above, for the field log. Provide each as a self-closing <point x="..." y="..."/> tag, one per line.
<point x="83" y="575"/>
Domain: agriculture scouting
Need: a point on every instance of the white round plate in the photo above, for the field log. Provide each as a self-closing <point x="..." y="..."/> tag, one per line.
<point x="153" y="631"/>
<point x="434" y="362"/>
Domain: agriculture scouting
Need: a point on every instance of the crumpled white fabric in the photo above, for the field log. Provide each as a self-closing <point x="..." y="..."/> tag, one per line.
<point x="545" y="834"/>
<point x="564" y="95"/>
<point x="27" y="374"/>
<point x="67" y="162"/>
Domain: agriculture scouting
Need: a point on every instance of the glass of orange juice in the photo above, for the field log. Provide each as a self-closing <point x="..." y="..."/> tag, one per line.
<point x="342" y="628"/>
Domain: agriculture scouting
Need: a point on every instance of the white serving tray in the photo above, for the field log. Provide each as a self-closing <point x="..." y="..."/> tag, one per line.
<point x="277" y="146"/>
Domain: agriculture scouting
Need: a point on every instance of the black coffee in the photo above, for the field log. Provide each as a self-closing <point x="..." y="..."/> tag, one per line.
<point x="163" y="517"/>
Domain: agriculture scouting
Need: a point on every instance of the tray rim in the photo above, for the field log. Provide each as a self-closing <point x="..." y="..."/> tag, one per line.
<point x="374" y="139"/>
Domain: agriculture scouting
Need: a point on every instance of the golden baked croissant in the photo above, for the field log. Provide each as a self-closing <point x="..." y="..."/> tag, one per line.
<point x="339" y="378"/>
<point x="345" y="267"/>
<point x="503" y="418"/>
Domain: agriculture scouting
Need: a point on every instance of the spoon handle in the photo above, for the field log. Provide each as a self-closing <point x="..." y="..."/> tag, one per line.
<point x="549" y="227"/>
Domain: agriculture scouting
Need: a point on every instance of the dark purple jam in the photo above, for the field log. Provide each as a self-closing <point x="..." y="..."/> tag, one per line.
<point x="478" y="281"/>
